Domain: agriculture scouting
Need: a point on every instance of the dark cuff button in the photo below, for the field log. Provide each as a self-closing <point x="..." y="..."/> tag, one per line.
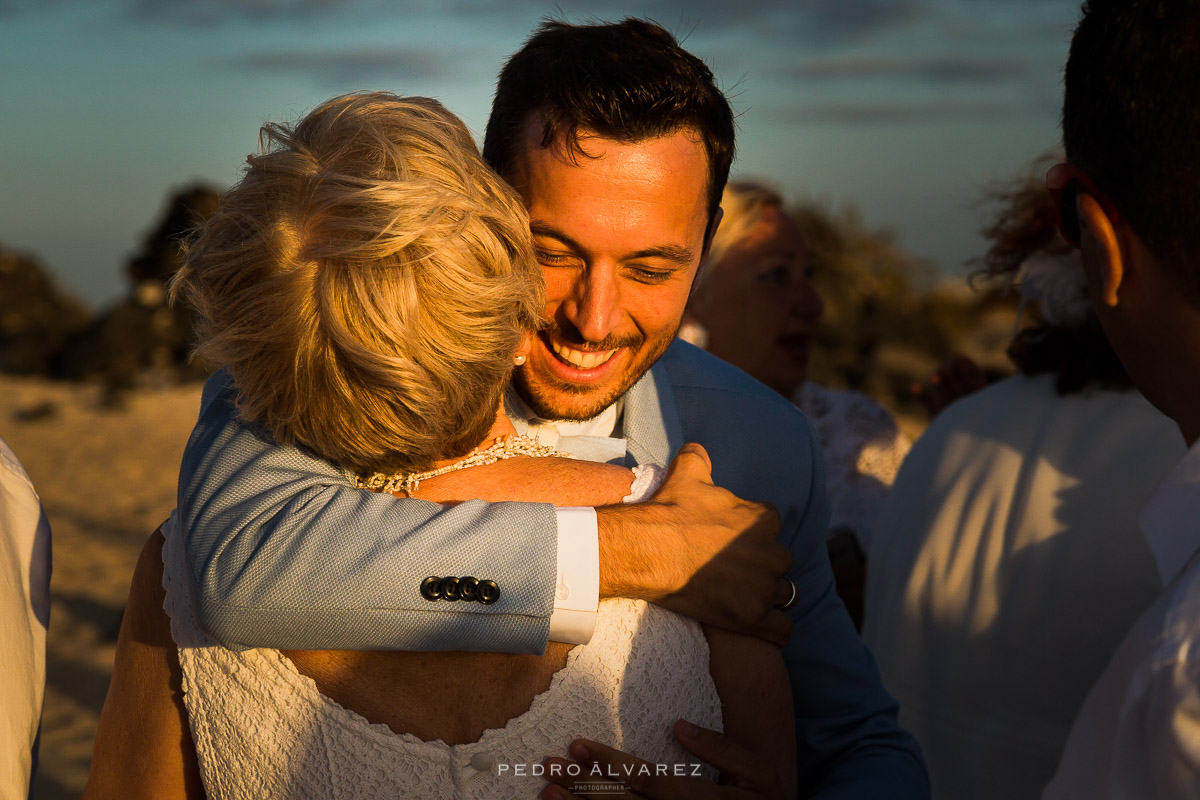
<point x="488" y="592"/>
<point x="450" y="588"/>
<point x="431" y="588"/>
<point x="468" y="588"/>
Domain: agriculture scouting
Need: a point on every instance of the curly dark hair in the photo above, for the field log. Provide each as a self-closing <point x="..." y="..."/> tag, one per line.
<point x="1079" y="357"/>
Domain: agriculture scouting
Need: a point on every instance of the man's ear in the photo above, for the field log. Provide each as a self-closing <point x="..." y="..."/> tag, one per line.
<point x="1111" y="262"/>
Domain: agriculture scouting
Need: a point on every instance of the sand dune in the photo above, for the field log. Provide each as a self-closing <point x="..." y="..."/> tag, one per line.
<point x="107" y="479"/>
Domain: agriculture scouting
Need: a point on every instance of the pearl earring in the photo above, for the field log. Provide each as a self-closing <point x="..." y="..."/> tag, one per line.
<point x="518" y="360"/>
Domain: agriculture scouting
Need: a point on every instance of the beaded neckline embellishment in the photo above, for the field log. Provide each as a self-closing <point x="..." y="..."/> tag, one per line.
<point x="504" y="447"/>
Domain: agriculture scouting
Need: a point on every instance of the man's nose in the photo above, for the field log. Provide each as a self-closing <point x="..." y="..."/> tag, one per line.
<point x="595" y="310"/>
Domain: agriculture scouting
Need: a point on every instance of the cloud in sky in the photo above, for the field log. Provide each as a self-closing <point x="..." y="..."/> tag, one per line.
<point x="355" y="65"/>
<point x="883" y="113"/>
<point x="212" y="13"/>
<point x="11" y="8"/>
<point x="940" y="69"/>
<point x="215" y="12"/>
<point x="839" y="22"/>
<point x="193" y="13"/>
<point x="814" y="22"/>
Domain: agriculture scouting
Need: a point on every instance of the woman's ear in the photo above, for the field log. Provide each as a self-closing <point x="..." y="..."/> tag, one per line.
<point x="1111" y="262"/>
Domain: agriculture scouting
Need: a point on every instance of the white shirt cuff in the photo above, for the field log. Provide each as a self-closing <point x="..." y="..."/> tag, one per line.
<point x="577" y="584"/>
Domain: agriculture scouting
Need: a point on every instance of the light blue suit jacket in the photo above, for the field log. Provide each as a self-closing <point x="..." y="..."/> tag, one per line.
<point x="287" y="555"/>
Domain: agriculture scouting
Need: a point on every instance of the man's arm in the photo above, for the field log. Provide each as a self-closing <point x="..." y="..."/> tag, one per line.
<point x="287" y="554"/>
<point x="700" y="551"/>
<point x="849" y="743"/>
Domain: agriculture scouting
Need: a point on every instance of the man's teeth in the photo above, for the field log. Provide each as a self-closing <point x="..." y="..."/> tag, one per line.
<point x="580" y="358"/>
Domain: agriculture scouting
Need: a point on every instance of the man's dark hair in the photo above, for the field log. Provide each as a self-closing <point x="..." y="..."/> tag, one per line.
<point x="629" y="81"/>
<point x="1131" y="121"/>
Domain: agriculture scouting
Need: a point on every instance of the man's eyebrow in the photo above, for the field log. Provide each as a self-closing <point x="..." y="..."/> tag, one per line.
<point x="683" y="256"/>
<point x="542" y="229"/>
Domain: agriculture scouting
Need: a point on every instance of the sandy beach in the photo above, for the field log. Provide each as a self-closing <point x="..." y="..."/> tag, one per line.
<point x="107" y="479"/>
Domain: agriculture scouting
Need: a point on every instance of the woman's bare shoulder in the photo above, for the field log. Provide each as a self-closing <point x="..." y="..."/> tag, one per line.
<point x="143" y="745"/>
<point x="756" y="698"/>
<point x="148" y="622"/>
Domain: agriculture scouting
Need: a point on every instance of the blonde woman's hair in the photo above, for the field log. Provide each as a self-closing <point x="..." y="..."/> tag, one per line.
<point x="366" y="284"/>
<point x="743" y="204"/>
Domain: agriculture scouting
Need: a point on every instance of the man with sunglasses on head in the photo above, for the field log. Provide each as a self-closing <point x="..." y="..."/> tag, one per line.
<point x="1127" y="198"/>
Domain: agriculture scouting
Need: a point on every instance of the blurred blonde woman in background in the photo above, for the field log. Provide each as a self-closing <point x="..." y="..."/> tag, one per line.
<point x="756" y="307"/>
<point x="369" y="285"/>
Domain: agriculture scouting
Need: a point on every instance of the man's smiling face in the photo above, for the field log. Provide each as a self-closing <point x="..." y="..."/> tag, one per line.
<point x="619" y="233"/>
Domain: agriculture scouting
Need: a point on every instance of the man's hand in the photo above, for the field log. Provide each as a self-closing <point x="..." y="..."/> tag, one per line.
<point x="744" y="775"/>
<point x="700" y="551"/>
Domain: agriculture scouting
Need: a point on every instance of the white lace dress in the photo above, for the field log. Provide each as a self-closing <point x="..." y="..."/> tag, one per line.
<point x="263" y="730"/>
<point x="863" y="448"/>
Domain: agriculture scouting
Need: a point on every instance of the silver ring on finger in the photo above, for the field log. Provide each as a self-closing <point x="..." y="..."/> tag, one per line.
<point x="795" y="598"/>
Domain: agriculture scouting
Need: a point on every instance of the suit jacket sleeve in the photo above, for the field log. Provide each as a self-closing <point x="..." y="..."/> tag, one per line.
<point x="849" y="742"/>
<point x="286" y="553"/>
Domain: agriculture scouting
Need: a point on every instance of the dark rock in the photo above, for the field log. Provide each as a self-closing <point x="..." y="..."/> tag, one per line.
<point x="36" y="317"/>
<point x="141" y="333"/>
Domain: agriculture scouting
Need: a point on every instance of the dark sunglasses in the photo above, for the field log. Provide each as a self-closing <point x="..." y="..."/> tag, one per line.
<point x="1064" y="183"/>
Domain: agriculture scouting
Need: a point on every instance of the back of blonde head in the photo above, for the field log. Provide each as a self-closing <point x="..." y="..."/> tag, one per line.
<point x="366" y="284"/>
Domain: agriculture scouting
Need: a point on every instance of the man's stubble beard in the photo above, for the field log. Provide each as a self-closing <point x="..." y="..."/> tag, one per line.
<point x="544" y="403"/>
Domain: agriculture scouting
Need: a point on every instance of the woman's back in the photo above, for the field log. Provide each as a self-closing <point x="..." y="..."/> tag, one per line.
<point x="263" y="729"/>
<point x="351" y="724"/>
<point x="461" y="694"/>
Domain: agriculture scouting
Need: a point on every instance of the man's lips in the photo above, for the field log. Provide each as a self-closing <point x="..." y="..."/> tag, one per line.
<point x="580" y="359"/>
<point x="577" y="365"/>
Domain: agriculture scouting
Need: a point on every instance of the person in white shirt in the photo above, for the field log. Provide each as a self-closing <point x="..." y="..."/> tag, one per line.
<point x="1126" y="198"/>
<point x="1008" y="562"/>
<point x="24" y="618"/>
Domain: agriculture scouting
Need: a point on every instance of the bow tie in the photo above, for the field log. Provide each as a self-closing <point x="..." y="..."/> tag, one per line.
<point x="604" y="449"/>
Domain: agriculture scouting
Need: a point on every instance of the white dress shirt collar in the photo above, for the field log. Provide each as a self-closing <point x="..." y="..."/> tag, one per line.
<point x="606" y="423"/>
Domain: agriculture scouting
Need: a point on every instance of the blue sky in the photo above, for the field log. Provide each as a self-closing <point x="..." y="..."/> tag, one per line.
<point x="908" y="108"/>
